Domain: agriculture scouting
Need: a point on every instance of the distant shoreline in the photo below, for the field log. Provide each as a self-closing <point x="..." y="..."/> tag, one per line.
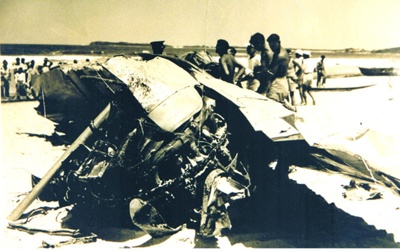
<point x="107" y="48"/>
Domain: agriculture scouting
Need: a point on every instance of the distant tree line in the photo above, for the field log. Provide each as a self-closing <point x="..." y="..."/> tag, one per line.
<point x="113" y="48"/>
<point x="95" y="48"/>
<point x="391" y="50"/>
<point x="103" y="43"/>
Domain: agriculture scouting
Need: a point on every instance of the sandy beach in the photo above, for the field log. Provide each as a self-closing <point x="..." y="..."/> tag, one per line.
<point x="169" y="157"/>
<point x="311" y="211"/>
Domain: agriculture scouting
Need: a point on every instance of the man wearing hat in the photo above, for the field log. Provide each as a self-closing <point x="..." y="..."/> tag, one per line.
<point x="321" y="74"/>
<point x="157" y="47"/>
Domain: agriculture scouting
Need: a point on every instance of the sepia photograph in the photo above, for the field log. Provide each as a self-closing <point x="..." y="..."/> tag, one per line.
<point x="199" y="124"/>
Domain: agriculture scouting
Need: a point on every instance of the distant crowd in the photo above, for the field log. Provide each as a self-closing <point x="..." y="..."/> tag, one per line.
<point x="21" y="74"/>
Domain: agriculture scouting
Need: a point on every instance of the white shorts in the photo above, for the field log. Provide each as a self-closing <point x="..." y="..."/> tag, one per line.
<point x="279" y="90"/>
<point x="308" y="76"/>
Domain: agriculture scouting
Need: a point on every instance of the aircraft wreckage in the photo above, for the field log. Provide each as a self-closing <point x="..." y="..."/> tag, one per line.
<point x="158" y="142"/>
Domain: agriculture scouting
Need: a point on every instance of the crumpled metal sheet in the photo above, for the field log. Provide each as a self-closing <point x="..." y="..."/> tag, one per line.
<point x="147" y="218"/>
<point x="160" y="86"/>
<point x="220" y="187"/>
<point x="263" y="114"/>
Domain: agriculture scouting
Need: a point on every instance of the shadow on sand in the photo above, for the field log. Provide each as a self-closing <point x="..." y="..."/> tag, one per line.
<point x="280" y="214"/>
<point x="288" y="215"/>
<point x="55" y="139"/>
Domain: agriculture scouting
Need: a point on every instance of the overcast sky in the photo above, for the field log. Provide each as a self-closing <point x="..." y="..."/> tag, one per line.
<point x="313" y="24"/>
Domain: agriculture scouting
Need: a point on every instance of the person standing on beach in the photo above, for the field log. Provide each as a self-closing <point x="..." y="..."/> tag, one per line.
<point x="232" y="51"/>
<point x="75" y="65"/>
<point x="24" y="66"/>
<point x="87" y="62"/>
<point x="321" y="73"/>
<point x="308" y="76"/>
<point x="253" y="61"/>
<point x="46" y="65"/>
<point x="21" y="87"/>
<point x="5" y="80"/>
<point x="299" y="72"/>
<point x="14" y="70"/>
<point x="277" y="71"/>
<point x="228" y="63"/>
<point x="291" y="76"/>
<point x="260" y="72"/>
<point x="15" y="66"/>
<point x="31" y="72"/>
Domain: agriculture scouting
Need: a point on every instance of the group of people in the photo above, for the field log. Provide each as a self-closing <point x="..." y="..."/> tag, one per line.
<point x="22" y="73"/>
<point x="271" y="71"/>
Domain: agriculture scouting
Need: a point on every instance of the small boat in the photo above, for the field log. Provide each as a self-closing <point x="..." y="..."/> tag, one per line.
<point x="345" y="84"/>
<point x="387" y="71"/>
<point x="341" y="88"/>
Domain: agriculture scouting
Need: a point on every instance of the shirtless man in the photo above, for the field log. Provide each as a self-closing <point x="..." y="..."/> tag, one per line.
<point x="260" y="72"/>
<point x="47" y="64"/>
<point x="277" y="70"/>
<point x="232" y="51"/>
<point x="228" y="63"/>
<point x="5" y="80"/>
<point x="321" y="73"/>
<point x="299" y="72"/>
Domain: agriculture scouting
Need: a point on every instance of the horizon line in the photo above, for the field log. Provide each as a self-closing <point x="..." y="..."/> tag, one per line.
<point x="105" y="43"/>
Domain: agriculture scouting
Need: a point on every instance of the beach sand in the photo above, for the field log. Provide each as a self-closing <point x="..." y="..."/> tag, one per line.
<point x="309" y="211"/>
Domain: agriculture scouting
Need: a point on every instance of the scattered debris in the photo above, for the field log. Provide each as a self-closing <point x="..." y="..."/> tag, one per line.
<point x="360" y="191"/>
